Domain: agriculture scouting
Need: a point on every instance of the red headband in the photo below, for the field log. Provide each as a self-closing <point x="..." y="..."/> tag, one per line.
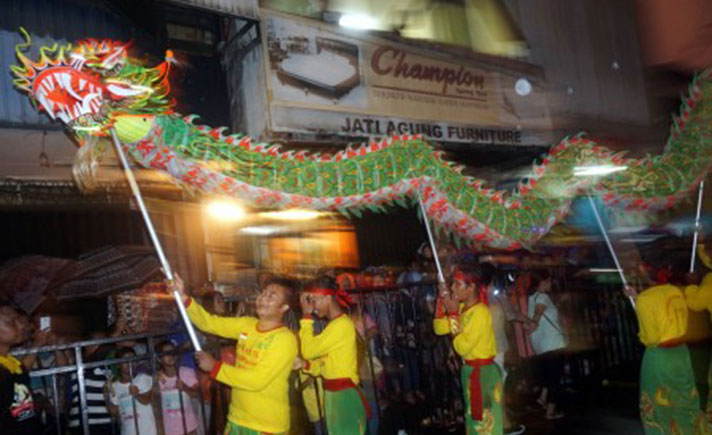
<point x="343" y="298"/>
<point x="481" y="290"/>
<point x="462" y="277"/>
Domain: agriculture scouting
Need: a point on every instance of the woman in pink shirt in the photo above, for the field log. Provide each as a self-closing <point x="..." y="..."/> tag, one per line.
<point x="178" y="386"/>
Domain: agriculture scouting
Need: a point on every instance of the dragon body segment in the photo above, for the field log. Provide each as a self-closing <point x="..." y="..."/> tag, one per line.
<point x="134" y="100"/>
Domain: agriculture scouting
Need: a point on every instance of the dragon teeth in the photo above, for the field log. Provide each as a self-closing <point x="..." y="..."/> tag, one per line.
<point x="82" y="84"/>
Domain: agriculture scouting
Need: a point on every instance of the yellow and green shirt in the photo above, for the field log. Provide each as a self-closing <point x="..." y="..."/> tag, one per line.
<point x="662" y="315"/>
<point x="335" y="346"/>
<point x="259" y="378"/>
<point x="475" y="339"/>
<point x="444" y="324"/>
<point x="472" y="329"/>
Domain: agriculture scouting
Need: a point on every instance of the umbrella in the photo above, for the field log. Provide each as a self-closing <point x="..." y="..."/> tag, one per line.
<point x="25" y="280"/>
<point x="105" y="271"/>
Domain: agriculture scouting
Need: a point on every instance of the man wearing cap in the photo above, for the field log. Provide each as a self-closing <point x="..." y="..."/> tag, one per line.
<point x="335" y="348"/>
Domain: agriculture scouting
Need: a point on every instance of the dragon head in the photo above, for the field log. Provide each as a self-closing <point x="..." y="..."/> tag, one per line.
<point x="87" y="85"/>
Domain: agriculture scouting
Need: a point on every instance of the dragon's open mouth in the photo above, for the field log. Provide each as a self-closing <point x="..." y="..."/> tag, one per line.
<point x="69" y="95"/>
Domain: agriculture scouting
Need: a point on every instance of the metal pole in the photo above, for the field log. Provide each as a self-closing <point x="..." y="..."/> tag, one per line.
<point x="109" y="385"/>
<point x="697" y="225"/>
<point x="154" y="237"/>
<point x="203" y="414"/>
<point x="55" y="394"/>
<point x="150" y="342"/>
<point x="82" y="393"/>
<point x="322" y="421"/>
<point x="441" y="277"/>
<point x="610" y="247"/>
<point x="367" y="342"/>
<point x="180" y="402"/>
<point x="133" y="399"/>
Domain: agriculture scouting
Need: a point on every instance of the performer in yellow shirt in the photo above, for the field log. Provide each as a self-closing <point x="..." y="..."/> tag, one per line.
<point x="469" y="321"/>
<point x="265" y="353"/>
<point x="699" y="301"/>
<point x="335" y="349"/>
<point x="669" y="402"/>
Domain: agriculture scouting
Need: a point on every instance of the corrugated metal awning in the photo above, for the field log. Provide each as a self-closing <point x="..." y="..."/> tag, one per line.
<point x="240" y="8"/>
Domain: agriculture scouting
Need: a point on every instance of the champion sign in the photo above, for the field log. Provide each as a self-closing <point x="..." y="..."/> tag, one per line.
<point x="392" y="61"/>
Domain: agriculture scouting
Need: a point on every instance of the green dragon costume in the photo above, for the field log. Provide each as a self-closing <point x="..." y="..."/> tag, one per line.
<point x="93" y="86"/>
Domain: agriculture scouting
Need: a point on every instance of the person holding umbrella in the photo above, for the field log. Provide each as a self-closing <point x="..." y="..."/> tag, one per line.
<point x="347" y="410"/>
<point x="266" y="350"/>
<point x="468" y="320"/>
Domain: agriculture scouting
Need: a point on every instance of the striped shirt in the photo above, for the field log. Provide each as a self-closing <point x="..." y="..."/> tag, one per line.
<point x="94" y="381"/>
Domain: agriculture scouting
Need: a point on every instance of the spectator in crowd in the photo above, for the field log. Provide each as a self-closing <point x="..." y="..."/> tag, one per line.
<point x="369" y="366"/>
<point x="130" y="399"/>
<point x="178" y="385"/>
<point x="345" y="405"/>
<point x="548" y="342"/>
<point x="501" y="314"/>
<point x="95" y="380"/>
<point x="42" y="387"/>
<point x="265" y="353"/>
<point x="18" y="414"/>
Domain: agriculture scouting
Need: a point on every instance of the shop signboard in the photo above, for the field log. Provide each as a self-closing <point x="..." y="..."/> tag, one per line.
<point x="323" y="79"/>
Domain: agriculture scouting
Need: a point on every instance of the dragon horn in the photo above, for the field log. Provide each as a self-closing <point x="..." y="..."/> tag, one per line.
<point x="25" y="72"/>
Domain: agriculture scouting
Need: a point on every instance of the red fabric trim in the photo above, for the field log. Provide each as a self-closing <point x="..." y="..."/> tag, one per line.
<point x="476" y="386"/>
<point x="462" y="277"/>
<point x="216" y="369"/>
<point x="439" y="308"/>
<point x="187" y="302"/>
<point x="321" y="291"/>
<point x="307" y="364"/>
<point x="341" y="384"/>
<point x="343" y="298"/>
<point x="671" y="343"/>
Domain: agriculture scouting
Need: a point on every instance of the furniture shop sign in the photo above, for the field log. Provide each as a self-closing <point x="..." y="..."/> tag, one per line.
<point x="325" y="79"/>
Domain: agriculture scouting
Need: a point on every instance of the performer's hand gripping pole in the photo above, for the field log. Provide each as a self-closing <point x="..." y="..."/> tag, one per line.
<point x="154" y="238"/>
<point x="697" y="226"/>
<point x="610" y="247"/>
<point x="441" y="276"/>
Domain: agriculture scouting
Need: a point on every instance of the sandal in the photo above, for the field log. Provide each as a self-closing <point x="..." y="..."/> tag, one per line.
<point x="555" y="416"/>
<point x="514" y="430"/>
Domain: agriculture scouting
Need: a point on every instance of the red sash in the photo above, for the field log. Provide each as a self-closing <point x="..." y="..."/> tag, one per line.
<point x="671" y="343"/>
<point x="476" y="386"/>
<point x="341" y="384"/>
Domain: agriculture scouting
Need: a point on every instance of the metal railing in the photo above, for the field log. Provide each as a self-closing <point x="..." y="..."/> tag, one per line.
<point x="80" y="366"/>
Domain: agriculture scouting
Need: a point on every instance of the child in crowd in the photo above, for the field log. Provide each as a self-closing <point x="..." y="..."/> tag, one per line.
<point x="178" y="386"/>
<point x="17" y="409"/>
<point x="131" y="399"/>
